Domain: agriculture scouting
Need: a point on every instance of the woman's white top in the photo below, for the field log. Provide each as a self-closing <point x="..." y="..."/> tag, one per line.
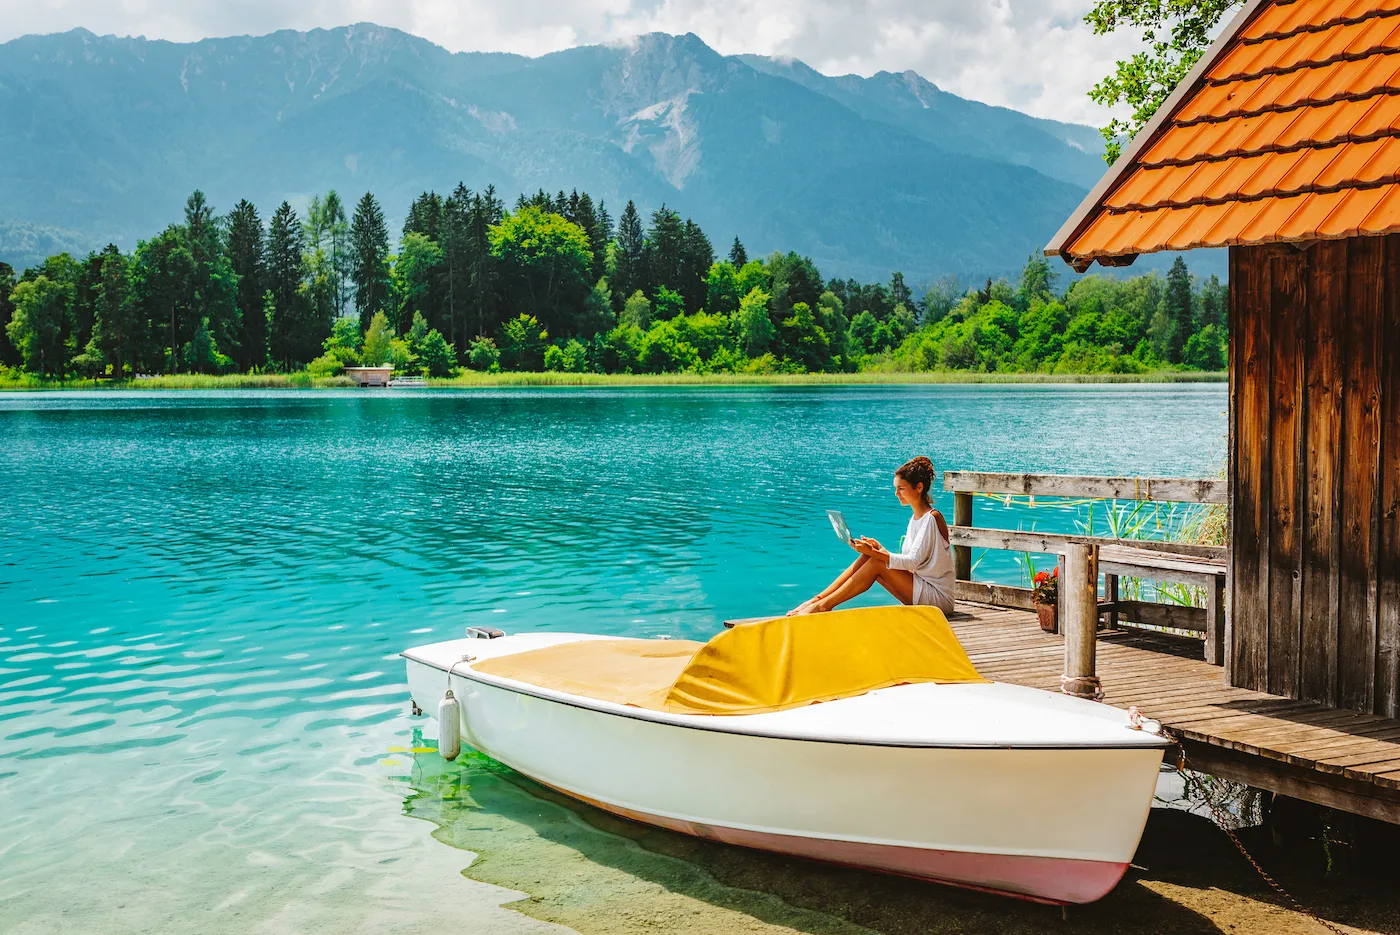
<point x="929" y="557"/>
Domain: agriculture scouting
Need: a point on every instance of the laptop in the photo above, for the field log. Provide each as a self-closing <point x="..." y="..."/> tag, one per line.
<point x="838" y="523"/>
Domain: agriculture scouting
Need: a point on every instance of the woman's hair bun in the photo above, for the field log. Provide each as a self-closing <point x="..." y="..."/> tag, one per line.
<point x="918" y="470"/>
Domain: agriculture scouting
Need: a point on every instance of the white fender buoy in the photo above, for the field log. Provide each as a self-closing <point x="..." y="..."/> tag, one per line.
<point x="449" y="726"/>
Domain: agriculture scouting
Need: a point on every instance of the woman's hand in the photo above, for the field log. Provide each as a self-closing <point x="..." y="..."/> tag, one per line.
<point x="870" y="548"/>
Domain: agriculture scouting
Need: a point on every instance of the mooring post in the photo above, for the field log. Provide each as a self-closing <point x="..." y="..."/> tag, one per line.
<point x="1080" y="589"/>
<point x="962" y="555"/>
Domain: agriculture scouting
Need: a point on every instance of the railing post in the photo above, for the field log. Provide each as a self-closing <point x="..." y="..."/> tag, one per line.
<point x="962" y="555"/>
<point x="1079" y="586"/>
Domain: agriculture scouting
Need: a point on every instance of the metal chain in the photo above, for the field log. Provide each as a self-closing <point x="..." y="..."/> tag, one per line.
<point x="1223" y="823"/>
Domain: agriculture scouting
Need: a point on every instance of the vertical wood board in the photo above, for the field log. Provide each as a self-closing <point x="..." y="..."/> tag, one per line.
<point x="1287" y="304"/>
<point x="1356" y="618"/>
<point x="1249" y="313"/>
<point x="1387" y="692"/>
<point x="1326" y="293"/>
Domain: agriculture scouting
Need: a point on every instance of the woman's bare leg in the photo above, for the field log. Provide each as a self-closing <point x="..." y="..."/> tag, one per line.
<point x="898" y="583"/>
<point x="831" y="588"/>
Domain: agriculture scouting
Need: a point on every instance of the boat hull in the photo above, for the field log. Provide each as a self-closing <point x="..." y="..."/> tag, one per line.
<point x="1057" y="825"/>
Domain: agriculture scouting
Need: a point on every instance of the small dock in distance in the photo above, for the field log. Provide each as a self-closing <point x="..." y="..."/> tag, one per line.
<point x="1341" y="759"/>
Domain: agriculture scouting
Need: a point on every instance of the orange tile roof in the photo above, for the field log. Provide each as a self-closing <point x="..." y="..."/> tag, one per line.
<point x="1288" y="129"/>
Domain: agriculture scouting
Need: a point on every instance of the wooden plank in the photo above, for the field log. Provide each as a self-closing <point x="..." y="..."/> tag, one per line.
<point x="1187" y="575"/>
<point x="1356" y="618"/>
<point x="1387" y="692"/>
<point x="962" y="555"/>
<point x="1168" y="489"/>
<point x="1287" y="304"/>
<point x="1153" y="614"/>
<point x="1317" y="677"/>
<point x="1249" y="570"/>
<point x="1013" y="540"/>
<point x="1215" y="622"/>
<point x="997" y="594"/>
<point x="1331" y="791"/>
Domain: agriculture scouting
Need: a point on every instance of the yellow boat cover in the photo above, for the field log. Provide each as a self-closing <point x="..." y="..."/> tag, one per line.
<point x="771" y="665"/>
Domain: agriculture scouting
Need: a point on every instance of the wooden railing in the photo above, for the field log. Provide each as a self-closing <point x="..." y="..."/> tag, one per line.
<point x="1080" y="559"/>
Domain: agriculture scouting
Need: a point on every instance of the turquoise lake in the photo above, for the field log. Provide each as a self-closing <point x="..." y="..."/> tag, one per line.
<point x="203" y="724"/>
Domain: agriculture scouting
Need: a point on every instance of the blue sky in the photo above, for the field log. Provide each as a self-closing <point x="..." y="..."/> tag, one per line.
<point x="1033" y="55"/>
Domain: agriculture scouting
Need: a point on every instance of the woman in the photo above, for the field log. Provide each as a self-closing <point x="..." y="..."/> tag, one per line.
<point x="921" y="574"/>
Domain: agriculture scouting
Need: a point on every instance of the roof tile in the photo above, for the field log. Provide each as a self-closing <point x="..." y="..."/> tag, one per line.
<point x="1193" y="229"/>
<point x="1264" y="226"/>
<point x="1383" y="115"/>
<point x="1348" y="216"/>
<point x="1238" y="216"/>
<point x="1313" y="210"/>
<point x="1385" y="217"/>
<point x="1349" y="166"/>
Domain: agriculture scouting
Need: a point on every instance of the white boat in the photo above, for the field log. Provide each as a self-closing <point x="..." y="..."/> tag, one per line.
<point x="983" y="785"/>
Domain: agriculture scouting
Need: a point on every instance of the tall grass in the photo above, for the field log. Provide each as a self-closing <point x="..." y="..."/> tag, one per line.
<point x="14" y="380"/>
<point x="17" y="380"/>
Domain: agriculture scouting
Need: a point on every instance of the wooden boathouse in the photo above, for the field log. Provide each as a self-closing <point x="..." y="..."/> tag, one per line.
<point x="1282" y="145"/>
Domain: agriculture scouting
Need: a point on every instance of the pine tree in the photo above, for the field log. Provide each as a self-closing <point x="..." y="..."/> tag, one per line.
<point x="118" y="325"/>
<point x="665" y="250"/>
<point x="245" y="253"/>
<point x="369" y="259"/>
<point x="630" y="256"/>
<point x="456" y="260"/>
<point x="1213" y="301"/>
<point x="737" y="254"/>
<point x="283" y="265"/>
<point x="697" y="259"/>
<point x="1178" y="309"/>
<point x="337" y="247"/>
<point x="900" y="294"/>
<point x="486" y="211"/>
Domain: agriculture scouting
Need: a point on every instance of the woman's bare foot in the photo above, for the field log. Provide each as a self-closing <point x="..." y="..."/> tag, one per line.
<point x="802" y="608"/>
<point x="817" y="606"/>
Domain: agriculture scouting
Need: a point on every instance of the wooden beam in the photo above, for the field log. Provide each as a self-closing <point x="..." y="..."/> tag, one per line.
<point x="1053" y="544"/>
<point x="1079" y="587"/>
<point x="1348" y="795"/>
<point x="997" y="595"/>
<point x="1176" y="616"/>
<point x="962" y="555"/>
<point x="1168" y="489"/>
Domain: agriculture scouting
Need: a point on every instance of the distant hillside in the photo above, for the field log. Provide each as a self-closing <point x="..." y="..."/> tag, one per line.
<point x="107" y="135"/>
<point x="24" y="244"/>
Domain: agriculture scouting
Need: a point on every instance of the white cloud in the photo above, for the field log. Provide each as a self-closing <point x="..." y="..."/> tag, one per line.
<point x="1033" y="55"/>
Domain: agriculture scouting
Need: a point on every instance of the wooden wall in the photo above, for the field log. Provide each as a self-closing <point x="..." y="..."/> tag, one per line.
<point x="1315" y="471"/>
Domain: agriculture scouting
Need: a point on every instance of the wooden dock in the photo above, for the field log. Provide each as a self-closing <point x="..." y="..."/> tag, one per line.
<point x="1340" y="759"/>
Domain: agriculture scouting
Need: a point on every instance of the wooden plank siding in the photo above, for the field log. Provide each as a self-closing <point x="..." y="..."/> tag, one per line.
<point x="1287" y="305"/>
<point x="1322" y="477"/>
<point x="1388" y="565"/>
<point x="1315" y="472"/>
<point x="1249" y="626"/>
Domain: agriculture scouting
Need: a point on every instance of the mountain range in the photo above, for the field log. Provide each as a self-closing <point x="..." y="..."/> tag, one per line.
<point x="105" y="136"/>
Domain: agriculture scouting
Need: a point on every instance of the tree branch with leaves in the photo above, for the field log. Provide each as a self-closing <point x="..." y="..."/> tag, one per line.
<point x="1176" y="34"/>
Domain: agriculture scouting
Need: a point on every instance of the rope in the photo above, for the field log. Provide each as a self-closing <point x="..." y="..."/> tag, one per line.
<point x="1093" y="691"/>
<point x="1222" y="822"/>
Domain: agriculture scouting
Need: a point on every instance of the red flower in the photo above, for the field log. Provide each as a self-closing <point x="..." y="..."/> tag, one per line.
<point x="1041" y="577"/>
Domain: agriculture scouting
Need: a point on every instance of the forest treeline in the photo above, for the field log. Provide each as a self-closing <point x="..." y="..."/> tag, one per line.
<point x="554" y="284"/>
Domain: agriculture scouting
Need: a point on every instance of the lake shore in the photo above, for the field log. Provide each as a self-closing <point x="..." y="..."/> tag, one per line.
<point x="475" y="379"/>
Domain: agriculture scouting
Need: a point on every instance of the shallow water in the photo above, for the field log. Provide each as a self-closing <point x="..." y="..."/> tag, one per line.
<point x="202" y="596"/>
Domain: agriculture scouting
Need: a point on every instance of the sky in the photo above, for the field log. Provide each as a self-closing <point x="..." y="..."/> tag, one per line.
<point x="1034" y="55"/>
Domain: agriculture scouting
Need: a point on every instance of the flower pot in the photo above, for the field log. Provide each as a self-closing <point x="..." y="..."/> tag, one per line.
<point x="1049" y="617"/>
